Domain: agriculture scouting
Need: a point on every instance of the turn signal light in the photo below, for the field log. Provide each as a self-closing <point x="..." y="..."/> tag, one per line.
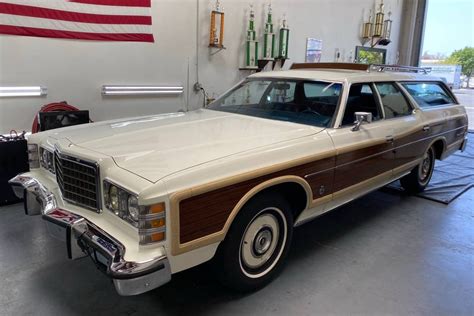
<point x="157" y="208"/>
<point x="152" y="238"/>
<point x="158" y="237"/>
<point x="155" y="223"/>
<point x="152" y="224"/>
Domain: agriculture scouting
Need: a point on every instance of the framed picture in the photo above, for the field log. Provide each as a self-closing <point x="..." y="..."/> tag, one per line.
<point x="314" y="50"/>
<point x="368" y="55"/>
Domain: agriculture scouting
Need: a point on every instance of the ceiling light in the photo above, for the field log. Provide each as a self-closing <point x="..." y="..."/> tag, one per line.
<point x="141" y="90"/>
<point x="23" y="91"/>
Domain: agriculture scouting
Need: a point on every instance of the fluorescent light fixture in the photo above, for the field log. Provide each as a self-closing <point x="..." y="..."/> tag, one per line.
<point x="22" y="92"/>
<point x="141" y="90"/>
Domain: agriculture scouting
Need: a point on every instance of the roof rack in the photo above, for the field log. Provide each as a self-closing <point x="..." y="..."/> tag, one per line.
<point x="361" y="67"/>
<point x="398" y="68"/>
<point x="345" y="66"/>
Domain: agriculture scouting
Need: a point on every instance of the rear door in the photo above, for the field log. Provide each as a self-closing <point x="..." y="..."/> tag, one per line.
<point x="406" y="124"/>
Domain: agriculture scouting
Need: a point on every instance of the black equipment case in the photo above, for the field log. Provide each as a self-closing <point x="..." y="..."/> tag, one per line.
<point x="13" y="160"/>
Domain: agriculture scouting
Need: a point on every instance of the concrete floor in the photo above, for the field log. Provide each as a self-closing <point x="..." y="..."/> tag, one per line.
<point x="383" y="254"/>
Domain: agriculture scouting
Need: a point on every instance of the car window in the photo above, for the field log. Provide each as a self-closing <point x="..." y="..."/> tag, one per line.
<point x="394" y="102"/>
<point x="281" y="92"/>
<point x="361" y="99"/>
<point x="298" y="101"/>
<point x="247" y="94"/>
<point x="428" y="94"/>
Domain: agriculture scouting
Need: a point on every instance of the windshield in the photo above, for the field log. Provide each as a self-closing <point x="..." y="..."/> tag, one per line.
<point x="298" y="101"/>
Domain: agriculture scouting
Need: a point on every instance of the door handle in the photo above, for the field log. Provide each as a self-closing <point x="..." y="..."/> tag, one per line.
<point x="426" y="128"/>
<point x="390" y="139"/>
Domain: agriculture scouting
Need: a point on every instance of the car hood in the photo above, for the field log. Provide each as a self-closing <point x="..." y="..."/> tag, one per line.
<point x="154" y="147"/>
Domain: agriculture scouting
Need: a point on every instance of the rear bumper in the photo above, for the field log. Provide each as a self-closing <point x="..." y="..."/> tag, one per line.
<point x="464" y="144"/>
<point x="83" y="238"/>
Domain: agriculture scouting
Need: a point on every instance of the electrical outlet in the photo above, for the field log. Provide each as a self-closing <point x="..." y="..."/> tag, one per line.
<point x="197" y="87"/>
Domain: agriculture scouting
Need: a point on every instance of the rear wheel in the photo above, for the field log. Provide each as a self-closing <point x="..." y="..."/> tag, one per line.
<point x="420" y="176"/>
<point x="257" y="244"/>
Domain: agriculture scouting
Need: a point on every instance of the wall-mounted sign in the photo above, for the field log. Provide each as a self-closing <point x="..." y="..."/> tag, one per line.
<point x="314" y="50"/>
<point x="369" y="55"/>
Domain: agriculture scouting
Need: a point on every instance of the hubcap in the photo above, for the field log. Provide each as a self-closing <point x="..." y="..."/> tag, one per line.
<point x="426" y="166"/>
<point x="263" y="242"/>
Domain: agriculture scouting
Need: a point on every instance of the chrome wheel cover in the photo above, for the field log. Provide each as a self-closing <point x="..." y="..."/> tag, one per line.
<point x="426" y="167"/>
<point x="263" y="242"/>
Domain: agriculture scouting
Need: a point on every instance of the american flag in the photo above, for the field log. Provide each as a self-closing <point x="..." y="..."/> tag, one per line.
<point x="101" y="20"/>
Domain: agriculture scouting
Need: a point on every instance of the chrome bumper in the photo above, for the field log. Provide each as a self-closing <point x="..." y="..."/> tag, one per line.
<point x="83" y="238"/>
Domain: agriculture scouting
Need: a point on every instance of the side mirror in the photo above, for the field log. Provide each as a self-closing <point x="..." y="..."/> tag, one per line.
<point x="361" y="117"/>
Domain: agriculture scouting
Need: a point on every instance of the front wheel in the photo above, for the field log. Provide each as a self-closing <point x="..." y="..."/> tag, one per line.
<point x="420" y="176"/>
<point x="257" y="244"/>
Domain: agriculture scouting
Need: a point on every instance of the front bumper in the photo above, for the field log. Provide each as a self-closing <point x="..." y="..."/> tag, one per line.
<point x="83" y="238"/>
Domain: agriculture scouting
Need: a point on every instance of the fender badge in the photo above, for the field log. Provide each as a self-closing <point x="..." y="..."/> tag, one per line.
<point x="322" y="190"/>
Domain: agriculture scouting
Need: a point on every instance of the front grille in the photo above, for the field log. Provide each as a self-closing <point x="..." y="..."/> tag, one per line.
<point x="78" y="181"/>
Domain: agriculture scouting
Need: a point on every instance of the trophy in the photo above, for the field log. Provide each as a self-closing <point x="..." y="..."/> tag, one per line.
<point x="367" y="29"/>
<point x="284" y="40"/>
<point x="269" y="37"/>
<point x="387" y="30"/>
<point x="379" y="21"/>
<point x="216" y="38"/>
<point x="376" y="30"/>
<point x="251" y="44"/>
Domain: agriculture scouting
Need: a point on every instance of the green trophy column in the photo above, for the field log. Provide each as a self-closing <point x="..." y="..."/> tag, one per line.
<point x="284" y="40"/>
<point x="251" y="46"/>
<point x="269" y="37"/>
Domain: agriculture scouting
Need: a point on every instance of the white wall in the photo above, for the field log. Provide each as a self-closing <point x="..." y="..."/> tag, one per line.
<point x="75" y="70"/>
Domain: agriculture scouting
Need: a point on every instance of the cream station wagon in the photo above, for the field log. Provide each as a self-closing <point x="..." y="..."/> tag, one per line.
<point x="152" y="196"/>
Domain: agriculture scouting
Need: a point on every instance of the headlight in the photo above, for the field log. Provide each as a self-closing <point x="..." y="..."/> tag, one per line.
<point x="119" y="201"/>
<point x="133" y="208"/>
<point x="33" y="156"/>
<point x="113" y="203"/>
<point x="150" y="220"/>
<point x="47" y="160"/>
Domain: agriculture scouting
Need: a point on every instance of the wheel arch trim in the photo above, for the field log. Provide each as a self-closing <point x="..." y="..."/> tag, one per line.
<point x="177" y="248"/>
<point x="434" y="141"/>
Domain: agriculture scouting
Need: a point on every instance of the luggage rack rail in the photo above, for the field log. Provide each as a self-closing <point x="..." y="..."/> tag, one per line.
<point x="398" y="68"/>
<point x="362" y="67"/>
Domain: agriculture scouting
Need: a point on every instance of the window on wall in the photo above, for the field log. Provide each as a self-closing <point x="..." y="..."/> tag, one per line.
<point x="394" y="102"/>
<point x="428" y="94"/>
<point x="361" y="99"/>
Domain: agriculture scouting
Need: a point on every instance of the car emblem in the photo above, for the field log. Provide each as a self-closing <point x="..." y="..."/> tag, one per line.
<point x="322" y="189"/>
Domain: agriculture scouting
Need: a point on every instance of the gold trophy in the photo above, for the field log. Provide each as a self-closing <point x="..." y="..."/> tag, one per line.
<point x="216" y="37"/>
<point x="367" y="29"/>
<point x="379" y="21"/>
<point x="377" y="30"/>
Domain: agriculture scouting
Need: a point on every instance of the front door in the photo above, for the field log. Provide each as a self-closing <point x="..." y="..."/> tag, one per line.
<point x="364" y="157"/>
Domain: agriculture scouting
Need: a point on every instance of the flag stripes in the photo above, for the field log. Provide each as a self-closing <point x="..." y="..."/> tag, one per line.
<point x="107" y="20"/>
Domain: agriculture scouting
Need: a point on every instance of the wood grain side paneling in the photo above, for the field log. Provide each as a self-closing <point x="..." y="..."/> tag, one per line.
<point x="410" y="147"/>
<point x="362" y="164"/>
<point x="207" y="213"/>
